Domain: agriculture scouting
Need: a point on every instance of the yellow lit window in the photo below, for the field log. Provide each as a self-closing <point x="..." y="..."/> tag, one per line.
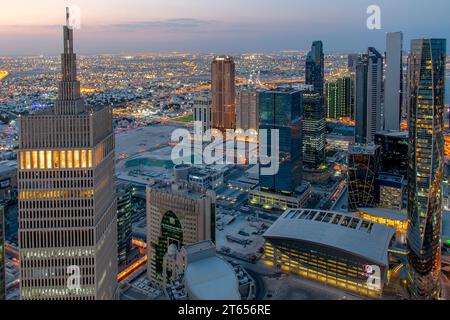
<point x="76" y="158"/>
<point x="63" y="159"/>
<point x="22" y="160"/>
<point x="34" y="155"/>
<point x="69" y="159"/>
<point x="83" y="159"/>
<point x="56" y="159"/>
<point x="90" y="158"/>
<point x="27" y="160"/>
<point x="49" y="159"/>
<point x="41" y="159"/>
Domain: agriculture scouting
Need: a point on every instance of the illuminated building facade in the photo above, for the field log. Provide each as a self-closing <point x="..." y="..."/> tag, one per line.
<point x="391" y="218"/>
<point x="282" y="110"/>
<point x="67" y="196"/>
<point x="389" y="191"/>
<point x="394" y="152"/>
<point x="247" y="115"/>
<point x="2" y="254"/>
<point x="426" y="165"/>
<point x="363" y="168"/>
<point x="223" y="89"/>
<point x="202" y="111"/>
<point x="303" y="242"/>
<point x="338" y="98"/>
<point x="177" y="214"/>
<point x="124" y="212"/>
<point x="315" y="67"/>
<point x="314" y="129"/>
<point x="368" y="96"/>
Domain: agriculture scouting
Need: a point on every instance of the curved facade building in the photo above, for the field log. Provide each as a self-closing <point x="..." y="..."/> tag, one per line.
<point x="334" y="248"/>
<point x="426" y="165"/>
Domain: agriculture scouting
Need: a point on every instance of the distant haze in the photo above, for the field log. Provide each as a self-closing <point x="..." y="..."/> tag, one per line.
<point x="29" y="27"/>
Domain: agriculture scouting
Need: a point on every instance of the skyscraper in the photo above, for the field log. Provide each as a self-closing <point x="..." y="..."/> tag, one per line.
<point x="363" y="168"/>
<point x="426" y="165"/>
<point x="338" y="96"/>
<point x="314" y="130"/>
<point x="124" y="229"/>
<point x="202" y="111"/>
<point x="394" y="81"/>
<point x="315" y="67"/>
<point x="177" y="214"/>
<point x="283" y="110"/>
<point x="368" y="96"/>
<point x="223" y="93"/>
<point x="2" y="255"/>
<point x="247" y="115"/>
<point x="67" y="196"/>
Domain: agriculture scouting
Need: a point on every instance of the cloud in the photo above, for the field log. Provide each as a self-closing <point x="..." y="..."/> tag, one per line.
<point x="170" y="25"/>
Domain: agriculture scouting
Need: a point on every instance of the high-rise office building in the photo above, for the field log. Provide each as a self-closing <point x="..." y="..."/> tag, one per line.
<point x="338" y="98"/>
<point x="394" y="152"/>
<point x="2" y="255"/>
<point x="247" y="115"/>
<point x="394" y="81"/>
<point x="315" y="67"/>
<point x="426" y="165"/>
<point x="177" y="214"/>
<point x="314" y="129"/>
<point x="124" y="229"/>
<point x="67" y="196"/>
<point x="368" y="96"/>
<point x="202" y="111"/>
<point x="352" y="59"/>
<point x="389" y="191"/>
<point x="223" y="89"/>
<point x="363" y="168"/>
<point x="282" y="110"/>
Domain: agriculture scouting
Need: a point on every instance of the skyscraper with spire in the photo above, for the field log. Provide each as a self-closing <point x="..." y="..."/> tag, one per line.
<point x="67" y="202"/>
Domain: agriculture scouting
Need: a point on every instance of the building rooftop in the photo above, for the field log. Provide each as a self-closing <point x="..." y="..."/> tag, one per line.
<point x="385" y="213"/>
<point x="390" y="133"/>
<point x="211" y="279"/>
<point x="391" y="178"/>
<point x="337" y="230"/>
<point x="357" y="148"/>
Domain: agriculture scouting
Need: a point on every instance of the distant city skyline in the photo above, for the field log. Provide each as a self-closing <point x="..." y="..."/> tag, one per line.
<point x="203" y="26"/>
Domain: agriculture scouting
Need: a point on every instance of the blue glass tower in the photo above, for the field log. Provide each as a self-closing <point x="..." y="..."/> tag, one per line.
<point x="283" y="110"/>
<point x="315" y="67"/>
<point x="426" y="165"/>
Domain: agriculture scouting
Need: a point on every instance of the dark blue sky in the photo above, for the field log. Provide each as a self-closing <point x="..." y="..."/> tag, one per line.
<point x="139" y="26"/>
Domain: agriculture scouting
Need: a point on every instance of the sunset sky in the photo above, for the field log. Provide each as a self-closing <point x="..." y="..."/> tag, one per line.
<point x="232" y="26"/>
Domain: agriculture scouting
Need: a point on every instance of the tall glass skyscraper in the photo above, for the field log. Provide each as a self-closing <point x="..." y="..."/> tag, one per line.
<point x="315" y="67"/>
<point x="314" y="131"/>
<point x="283" y="110"/>
<point x="67" y="196"/>
<point x="124" y="228"/>
<point x="368" y="96"/>
<point x="426" y="165"/>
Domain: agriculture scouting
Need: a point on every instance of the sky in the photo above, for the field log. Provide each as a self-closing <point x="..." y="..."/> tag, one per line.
<point x="30" y="27"/>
